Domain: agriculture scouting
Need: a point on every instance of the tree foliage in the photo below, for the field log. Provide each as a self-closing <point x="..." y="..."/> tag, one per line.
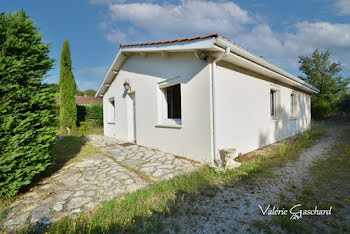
<point x="324" y="74"/>
<point x="54" y="87"/>
<point x="89" y="92"/>
<point x="345" y="103"/>
<point x="27" y="124"/>
<point x="68" y="110"/>
<point x="79" y="92"/>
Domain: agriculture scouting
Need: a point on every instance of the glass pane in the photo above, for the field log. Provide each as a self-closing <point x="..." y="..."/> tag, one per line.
<point x="173" y="96"/>
<point x="273" y="103"/>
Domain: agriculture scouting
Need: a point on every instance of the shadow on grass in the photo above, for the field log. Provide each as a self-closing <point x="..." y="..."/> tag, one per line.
<point x="64" y="151"/>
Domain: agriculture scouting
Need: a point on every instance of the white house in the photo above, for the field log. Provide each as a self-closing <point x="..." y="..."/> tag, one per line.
<point x="194" y="97"/>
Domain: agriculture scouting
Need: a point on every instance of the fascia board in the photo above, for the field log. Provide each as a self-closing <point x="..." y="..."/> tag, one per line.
<point x="235" y="50"/>
<point x="199" y="44"/>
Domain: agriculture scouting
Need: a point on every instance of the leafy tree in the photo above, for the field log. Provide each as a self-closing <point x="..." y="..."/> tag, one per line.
<point x="79" y="92"/>
<point x="27" y="124"/>
<point x="345" y="103"/>
<point x="322" y="73"/>
<point x="90" y="92"/>
<point x="68" y="109"/>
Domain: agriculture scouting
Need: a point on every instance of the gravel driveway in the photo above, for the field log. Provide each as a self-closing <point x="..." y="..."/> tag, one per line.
<point x="234" y="209"/>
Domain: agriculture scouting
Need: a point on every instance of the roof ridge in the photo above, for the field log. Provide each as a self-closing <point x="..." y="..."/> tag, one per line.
<point x="171" y="41"/>
<point x="189" y="39"/>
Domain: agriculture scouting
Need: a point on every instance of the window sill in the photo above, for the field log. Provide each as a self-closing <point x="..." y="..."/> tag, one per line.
<point x="176" y="126"/>
<point x="275" y="119"/>
<point x="110" y="122"/>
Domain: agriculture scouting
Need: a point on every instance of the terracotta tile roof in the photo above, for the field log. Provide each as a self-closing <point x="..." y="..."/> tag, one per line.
<point x="188" y="39"/>
<point x="171" y="41"/>
<point x="84" y="100"/>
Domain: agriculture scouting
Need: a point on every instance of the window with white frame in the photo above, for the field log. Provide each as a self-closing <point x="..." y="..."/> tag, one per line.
<point x="172" y="104"/>
<point x="111" y="110"/>
<point x="293" y="105"/>
<point x="274" y="102"/>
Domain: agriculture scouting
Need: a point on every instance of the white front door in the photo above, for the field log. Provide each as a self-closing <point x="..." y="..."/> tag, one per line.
<point x="132" y="119"/>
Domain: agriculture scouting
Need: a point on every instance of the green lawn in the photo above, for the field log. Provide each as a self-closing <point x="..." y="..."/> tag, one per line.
<point x="138" y="212"/>
<point x="71" y="149"/>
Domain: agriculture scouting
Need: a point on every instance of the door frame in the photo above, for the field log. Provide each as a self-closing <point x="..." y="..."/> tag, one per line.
<point x="132" y="111"/>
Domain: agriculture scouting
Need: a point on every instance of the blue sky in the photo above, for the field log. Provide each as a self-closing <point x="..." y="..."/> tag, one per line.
<point x="278" y="30"/>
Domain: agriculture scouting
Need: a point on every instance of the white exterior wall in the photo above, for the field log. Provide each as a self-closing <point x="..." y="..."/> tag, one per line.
<point x="193" y="140"/>
<point x="243" y="110"/>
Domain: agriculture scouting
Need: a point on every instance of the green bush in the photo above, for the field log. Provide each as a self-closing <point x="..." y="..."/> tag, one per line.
<point x="81" y="114"/>
<point x="321" y="109"/>
<point x="94" y="111"/>
<point x="345" y="104"/>
<point x="90" y="112"/>
<point x="27" y="117"/>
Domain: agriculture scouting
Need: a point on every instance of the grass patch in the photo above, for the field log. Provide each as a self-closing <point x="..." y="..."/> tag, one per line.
<point x="66" y="151"/>
<point x="85" y="128"/>
<point x="88" y="128"/>
<point x="261" y="225"/>
<point x="72" y="149"/>
<point x="142" y="211"/>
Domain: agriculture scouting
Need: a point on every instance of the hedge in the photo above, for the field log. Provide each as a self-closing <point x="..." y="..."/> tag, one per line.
<point x="92" y="111"/>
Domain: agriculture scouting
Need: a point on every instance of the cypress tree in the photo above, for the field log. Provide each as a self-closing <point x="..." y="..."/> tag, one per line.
<point x="27" y="116"/>
<point x="68" y="109"/>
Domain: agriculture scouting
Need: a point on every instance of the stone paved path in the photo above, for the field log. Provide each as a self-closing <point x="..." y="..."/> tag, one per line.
<point x="82" y="185"/>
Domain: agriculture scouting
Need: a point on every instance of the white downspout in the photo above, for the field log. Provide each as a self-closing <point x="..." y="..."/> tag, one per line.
<point x="216" y="150"/>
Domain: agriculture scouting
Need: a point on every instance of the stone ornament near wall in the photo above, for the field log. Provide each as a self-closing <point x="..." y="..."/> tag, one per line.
<point x="228" y="157"/>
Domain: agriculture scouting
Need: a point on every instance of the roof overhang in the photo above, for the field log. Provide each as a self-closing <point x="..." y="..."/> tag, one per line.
<point x="215" y="46"/>
<point x="123" y="52"/>
<point x="250" y="61"/>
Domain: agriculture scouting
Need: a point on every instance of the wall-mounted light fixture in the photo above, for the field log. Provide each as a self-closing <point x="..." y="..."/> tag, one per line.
<point x="200" y="55"/>
<point x="203" y="56"/>
<point x="126" y="85"/>
<point x="115" y="72"/>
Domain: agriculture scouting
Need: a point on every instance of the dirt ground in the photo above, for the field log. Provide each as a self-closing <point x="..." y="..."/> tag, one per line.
<point x="236" y="208"/>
